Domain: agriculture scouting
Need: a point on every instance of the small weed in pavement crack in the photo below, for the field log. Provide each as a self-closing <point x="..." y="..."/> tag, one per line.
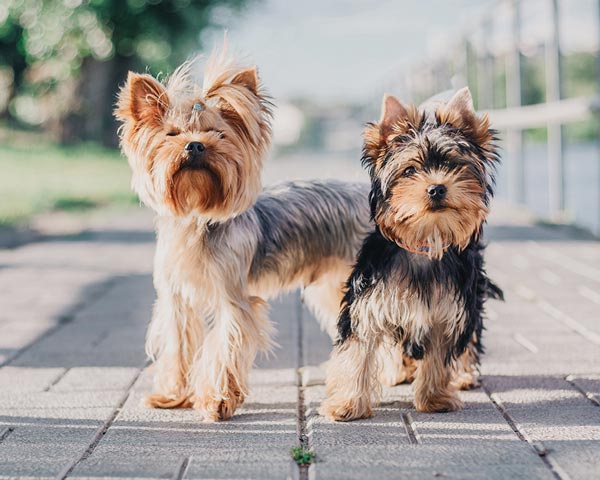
<point x="302" y="456"/>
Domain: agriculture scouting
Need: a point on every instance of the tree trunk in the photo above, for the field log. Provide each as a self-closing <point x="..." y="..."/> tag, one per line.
<point x="95" y="94"/>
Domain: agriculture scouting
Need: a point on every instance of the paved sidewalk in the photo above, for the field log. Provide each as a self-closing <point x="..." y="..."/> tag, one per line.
<point x="73" y="312"/>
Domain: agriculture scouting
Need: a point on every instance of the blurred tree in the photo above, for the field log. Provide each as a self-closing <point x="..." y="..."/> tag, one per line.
<point x="64" y="59"/>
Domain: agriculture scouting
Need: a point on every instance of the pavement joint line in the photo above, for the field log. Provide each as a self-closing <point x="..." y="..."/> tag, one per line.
<point x="65" y="318"/>
<point x="588" y="293"/>
<point x="5" y="432"/>
<point x="100" y="338"/>
<point x="182" y="468"/>
<point x="410" y="428"/>
<point x="529" y="295"/>
<point x="568" y="321"/>
<point x="57" y="379"/>
<point x="537" y="446"/>
<point x="303" y="436"/>
<point x="572" y="379"/>
<point x="102" y="430"/>
<point x="566" y="262"/>
<point x="526" y="343"/>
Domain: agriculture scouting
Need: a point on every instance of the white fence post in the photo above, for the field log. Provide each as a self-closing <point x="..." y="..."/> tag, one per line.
<point x="556" y="184"/>
<point x="514" y="136"/>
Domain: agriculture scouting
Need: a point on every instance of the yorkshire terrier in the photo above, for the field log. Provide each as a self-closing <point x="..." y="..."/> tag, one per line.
<point x="419" y="280"/>
<point x="223" y="246"/>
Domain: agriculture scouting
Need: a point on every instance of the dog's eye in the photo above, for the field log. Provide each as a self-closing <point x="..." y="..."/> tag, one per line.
<point x="218" y="133"/>
<point x="173" y="133"/>
<point x="408" y="171"/>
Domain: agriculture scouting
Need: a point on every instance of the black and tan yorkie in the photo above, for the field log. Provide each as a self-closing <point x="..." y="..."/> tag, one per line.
<point x="419" y="280"/>
<point x="224" y="245"/>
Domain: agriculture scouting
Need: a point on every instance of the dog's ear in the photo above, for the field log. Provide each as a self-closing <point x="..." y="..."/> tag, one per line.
<point x="247" y="78"/>
<point x="143" y="99"/>
<point x="460" y="113"/>
<point x="396" y="119"/>
<point x="393" y="114"/>
<point x="462" y="103"/>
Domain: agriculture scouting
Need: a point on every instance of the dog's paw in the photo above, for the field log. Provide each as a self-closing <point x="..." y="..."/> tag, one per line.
<point x="466" y="381"/>
<point x="157" y="400"/>
<point x="447" y="402"/>
<point x="398" y="376"/>
<point x="346" y="410"/>
<point x="214" y="410"/>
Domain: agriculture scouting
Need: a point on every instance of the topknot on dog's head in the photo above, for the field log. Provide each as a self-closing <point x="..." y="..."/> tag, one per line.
<point x="228" y="86"/>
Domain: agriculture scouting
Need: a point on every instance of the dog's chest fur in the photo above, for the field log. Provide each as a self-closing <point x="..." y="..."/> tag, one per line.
<point x="191" y="261"/>
<point x="406" y="295"/>
<point x="409" y="299"/>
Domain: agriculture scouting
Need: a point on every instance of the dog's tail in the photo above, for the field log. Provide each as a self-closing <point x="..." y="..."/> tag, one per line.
<point x="494" y="291"/>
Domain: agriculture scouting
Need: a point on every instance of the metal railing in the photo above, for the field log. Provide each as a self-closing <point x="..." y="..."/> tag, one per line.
<point x="455" y="69"/>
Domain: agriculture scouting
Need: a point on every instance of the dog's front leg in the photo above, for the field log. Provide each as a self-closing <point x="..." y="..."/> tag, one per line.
<point x="351" y="381"/>
<point x="394" y="366"/>
<point x="220" y="375"/>
<point x="434" y="390"/>
<point x="173" y="339"/>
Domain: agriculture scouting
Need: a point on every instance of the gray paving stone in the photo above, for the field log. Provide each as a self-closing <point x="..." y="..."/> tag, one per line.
<point x="22" y="379"/>
<point x="270" y="469"/>
<point x="559" y="424"/>
<point x="283" y="313"/>
<point x="578" y="458"/>
<point x="95" y="378"/>
<point x="541" y="392"/>
<point x="316" y="343"/>
<point x="466" y="427"/>
<point x="570" y="435"/>
<point x="43" y="450"/>
<point x="155" y="448"/>
<point x="61" y="399"/>
<point x="491" y="472"/>
<point x="590" y="384"/>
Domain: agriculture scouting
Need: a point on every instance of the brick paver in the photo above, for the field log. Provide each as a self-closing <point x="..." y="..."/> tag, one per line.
<point x="72" y="322"/>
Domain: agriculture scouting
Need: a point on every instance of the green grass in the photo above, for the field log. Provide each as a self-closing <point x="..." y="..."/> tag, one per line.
<point x="37" y="176"/>
<point x="302" y="456"/>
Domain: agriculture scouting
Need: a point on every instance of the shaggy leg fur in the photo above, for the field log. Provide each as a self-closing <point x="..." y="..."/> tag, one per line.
<point x="174" y="336"/>
<point x="324" y="296"/>
<point x="465" y="376"/>
<point x="394" y="367"/>
<point x="220" y="375"/>
<point x="351" y="382"/>
<point x="434" y="391"/>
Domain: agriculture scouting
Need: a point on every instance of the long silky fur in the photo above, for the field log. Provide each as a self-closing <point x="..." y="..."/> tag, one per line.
<point x="432" y="302"/>
<point x="224" y="246"/>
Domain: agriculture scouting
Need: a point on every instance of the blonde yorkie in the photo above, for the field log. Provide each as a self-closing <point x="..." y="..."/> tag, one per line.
<point x="223" y="245"/>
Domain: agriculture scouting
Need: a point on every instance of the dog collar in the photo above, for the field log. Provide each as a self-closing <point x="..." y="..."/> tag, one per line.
<point x="420" y="250"/>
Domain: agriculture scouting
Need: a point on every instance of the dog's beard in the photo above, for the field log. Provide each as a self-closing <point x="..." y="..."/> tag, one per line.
<point x="411" y="219"/>
<point x="229" y="117"/>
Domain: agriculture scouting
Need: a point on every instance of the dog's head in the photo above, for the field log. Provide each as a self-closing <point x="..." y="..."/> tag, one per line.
<point x="196" y="150"/>
<point x="431" y="178"/>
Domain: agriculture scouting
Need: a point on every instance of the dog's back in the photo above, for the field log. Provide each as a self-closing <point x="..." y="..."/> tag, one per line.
<point x="309" y="236"/>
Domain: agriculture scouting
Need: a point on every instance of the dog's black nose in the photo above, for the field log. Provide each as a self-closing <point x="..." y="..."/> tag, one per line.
<point x="437" y="192"/>
<point x="194" y="148"/>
